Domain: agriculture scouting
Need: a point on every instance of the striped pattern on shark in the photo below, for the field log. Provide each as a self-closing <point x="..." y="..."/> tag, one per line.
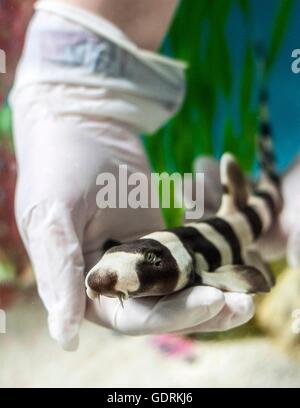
<point x="218" y="251"/>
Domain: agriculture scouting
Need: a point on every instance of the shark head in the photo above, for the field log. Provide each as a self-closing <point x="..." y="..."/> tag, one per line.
<point x="143" y="267"/>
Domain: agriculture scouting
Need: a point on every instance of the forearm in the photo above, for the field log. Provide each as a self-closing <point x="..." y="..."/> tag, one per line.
<point x="145" y="22"/>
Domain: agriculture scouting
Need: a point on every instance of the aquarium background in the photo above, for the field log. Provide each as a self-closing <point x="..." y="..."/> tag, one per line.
<point x="219" y="40"/>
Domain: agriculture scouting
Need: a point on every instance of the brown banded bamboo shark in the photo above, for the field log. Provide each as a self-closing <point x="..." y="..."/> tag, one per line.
<point x="218" y="251"/>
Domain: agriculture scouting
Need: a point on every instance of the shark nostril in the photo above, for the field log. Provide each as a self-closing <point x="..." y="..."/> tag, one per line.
<point x="103" y="283"/>
<point x="93" y="281"/>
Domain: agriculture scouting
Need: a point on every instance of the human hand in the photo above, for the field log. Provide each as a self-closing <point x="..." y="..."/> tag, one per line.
<point x="64" y="140"/>
<point x="196" y="309"/>
<point x="59" y="159"/>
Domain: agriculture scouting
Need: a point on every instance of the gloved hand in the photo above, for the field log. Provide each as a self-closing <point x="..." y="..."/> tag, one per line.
<point x="197" y="309"/>
<point x="59" y="158"/>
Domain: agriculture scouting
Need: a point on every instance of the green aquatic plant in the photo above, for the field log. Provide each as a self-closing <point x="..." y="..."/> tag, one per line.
<point x="5" y="123"/>
<point x="198" y="35"/>
<point x="242" y="143"/>
<point x="7" y="272"/>
<point x="203" y="46"/>
<point x="279" y="29"/>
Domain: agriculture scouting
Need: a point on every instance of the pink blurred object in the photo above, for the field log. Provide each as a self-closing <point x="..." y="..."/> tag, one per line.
<point x="175" y="346"/>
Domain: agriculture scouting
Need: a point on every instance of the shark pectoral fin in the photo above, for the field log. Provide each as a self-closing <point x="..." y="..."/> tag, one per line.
<point x="236" y="278"/>
<point x="235" y="185"/>
<point x="253" y="258"/>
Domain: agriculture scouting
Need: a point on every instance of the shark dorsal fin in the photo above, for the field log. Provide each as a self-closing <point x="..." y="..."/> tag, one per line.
<point x="234" y="184"/>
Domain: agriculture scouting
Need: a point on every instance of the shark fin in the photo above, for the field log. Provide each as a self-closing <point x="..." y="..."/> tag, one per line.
<point x="235" y="185"/>
<point x="236" y="278"/>
<point x="253" y="258"/>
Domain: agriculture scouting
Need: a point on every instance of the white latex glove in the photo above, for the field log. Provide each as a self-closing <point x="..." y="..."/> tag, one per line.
<point x="197" y="309"/>
<point x="59" y="158"/>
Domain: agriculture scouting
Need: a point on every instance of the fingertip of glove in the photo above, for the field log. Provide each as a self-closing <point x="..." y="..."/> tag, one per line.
<point x="203" y="303"/>
<point x="65" y="335"/>
<point x="70" y="345"/>
<point x="241" y="305"/>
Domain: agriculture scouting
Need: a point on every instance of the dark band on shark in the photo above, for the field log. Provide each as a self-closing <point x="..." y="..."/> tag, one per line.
<point x="225" y="189"/>
<point x="194" y="241"/>
<point x="139" y="246"/>
<point x="168" y="271"/>
<point x="270" y="156"/>
<point x="225" y="229"/>
<point x="275" y="178"/>
<point x="268" y="200"/>
<point x="265" y="142"/>
<point x="265" y="129"/>
<point x="254" y="220"/>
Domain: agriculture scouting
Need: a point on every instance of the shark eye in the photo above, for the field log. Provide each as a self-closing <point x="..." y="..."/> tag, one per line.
<point x="152" y="258"/>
